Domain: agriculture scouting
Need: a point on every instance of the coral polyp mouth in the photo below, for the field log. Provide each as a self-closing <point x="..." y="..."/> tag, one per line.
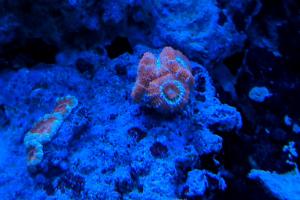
<point x="172" y="91"/>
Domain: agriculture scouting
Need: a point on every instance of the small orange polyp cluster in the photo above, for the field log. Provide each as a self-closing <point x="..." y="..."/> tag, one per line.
<point x="44" y="130"/>
<point x="34" y="152"/>
<point x="165" y="82"/>
<point x="44" y="126"/>
<point x="65" y="105"/>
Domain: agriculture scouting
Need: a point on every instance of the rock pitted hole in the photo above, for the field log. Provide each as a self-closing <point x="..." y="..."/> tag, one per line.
<point x="71" y="181"/>
<point x="222" y="18"/>
<point x="137" y="133"/>
<point x="85" y="67"/>
<point x="234" y="62"/>
<point x="200" y="83"/>
<point x="221" y="3"/>
<point x="3" y="118"/>
<point x="239" y="21"/>
<point x="120" y="69"/>
<point x="118" y="46"/>
<point x="124" y="185"/>
<point x="208" y="162"/>
<point x="182" y="169"/>
<point x="82" y="38"/>
<point x="201" y="98"/>
<point x="158" y="150"/>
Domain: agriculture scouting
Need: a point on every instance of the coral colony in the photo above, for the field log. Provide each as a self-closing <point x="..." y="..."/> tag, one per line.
<point x="46" y="128"/>
<point x="164" y="83"/>
<point x="149" y="100"/>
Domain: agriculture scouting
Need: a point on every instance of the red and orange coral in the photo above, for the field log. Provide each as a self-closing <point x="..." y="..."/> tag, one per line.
<point x="165" y="82"/>
<point x="34" y="152"/>
<point x="44" y="130"/>
<point x="64" y="105"/>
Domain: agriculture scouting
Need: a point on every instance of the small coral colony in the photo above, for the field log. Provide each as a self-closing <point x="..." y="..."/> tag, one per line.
<point x="44" y="130"/>
<point x="164" y="83"/>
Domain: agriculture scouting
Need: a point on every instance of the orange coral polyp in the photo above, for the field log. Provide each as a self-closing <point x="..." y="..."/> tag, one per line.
<point x="138" y="92"/>
<point x="166" y="81"/>
<point x="172" y="66"/>
<point x="168" y="53"/>
<point x="44" y="126"/>
<point x="185" y="76"/>
<point x="148" y="59"/>
<point x="146" y="76"/>
<point x="34" y="153"/>
<point x="44" y="129"/>
<point x="62" y="106"/>
<point x="146" y="69"/>
<point x="65" y="105"/>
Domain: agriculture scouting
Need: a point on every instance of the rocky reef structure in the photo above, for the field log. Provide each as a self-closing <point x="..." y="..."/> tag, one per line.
<point x="281" y="186"/>
<point x="78" y="24"/>
<point x="211" y="40"/>
<point x="129" y="154"/>
<point x="111" y="148"/>
<point x="164" y="83"/>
